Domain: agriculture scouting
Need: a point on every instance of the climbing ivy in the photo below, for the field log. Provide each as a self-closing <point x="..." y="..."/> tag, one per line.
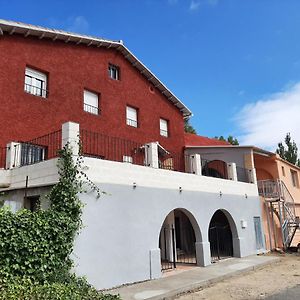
<point x="35" y="247"/>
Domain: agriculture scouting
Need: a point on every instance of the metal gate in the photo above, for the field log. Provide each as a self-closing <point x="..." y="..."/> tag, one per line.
<point x="178" y="243"/>
<point x="220" y="238"/>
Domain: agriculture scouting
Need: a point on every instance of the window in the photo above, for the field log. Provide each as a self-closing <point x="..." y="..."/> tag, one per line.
<point x="31" y="154"/>
<point x="90" y="102"/>
<point x="164" y="128"/>
<point x="32" y="203"/>
<point x="35" y="83"/>
<point x="131" y="116"/>
<point x="114" y="72"/>
<point x="295" y="180"/>
<point x="283" y="170"/>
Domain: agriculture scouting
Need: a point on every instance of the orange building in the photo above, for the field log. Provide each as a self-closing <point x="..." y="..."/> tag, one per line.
<point x="279" y="188"/>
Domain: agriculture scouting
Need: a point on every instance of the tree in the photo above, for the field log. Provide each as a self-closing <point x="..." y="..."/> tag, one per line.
<point x="230" y="139"/>
<point x="289" y="151"/>
<point x="188" y="127"/>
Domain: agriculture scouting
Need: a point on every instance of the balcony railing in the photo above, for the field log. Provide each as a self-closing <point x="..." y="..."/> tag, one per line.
<point x="102" y="146"/>
<point x="35" y="90"/>
<point x="36" y="150"/>
<point x="91" y="109"/>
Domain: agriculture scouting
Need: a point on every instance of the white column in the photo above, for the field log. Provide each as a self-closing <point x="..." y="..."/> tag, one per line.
<point x="155" y="263"/>
<point x="152" y="155"/>
<point x="13" y="155"/>
<point x="203" y="253"/>
<point x="70" y="134"/>
<point x="231" y="170"/>
<point x="195" y="164"/>
<point x="252" y="176"/>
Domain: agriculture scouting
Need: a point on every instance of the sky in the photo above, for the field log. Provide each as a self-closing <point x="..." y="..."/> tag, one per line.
<point x="234" y="63"/>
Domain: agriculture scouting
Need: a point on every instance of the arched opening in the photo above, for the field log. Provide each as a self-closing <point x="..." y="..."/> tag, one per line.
<point x="220" y="237"/>
<point x="214" y="168"/>
<point x="177" y="239"/>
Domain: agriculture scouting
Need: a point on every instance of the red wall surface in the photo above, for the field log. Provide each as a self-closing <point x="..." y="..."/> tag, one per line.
<point x="71" y="69"/>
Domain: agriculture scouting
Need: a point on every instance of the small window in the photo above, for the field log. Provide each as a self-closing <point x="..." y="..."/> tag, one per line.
<point x="114" y="72"/>
<point x="131" y="116"/>
<point x="91" y="102"/>
<point x="283" y="170"/>
<point x="295" y="179"/>
<point x="35" y="83"/>
<point x="127" y="159"/>
<point x="32" y="203"/>
<point x="164" y="128"/>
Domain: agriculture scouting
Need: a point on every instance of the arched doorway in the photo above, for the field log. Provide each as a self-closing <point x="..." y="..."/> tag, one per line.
<point x="214" y="168"/>
<point x="220" y="237"/>
<point x="177" y="240"/>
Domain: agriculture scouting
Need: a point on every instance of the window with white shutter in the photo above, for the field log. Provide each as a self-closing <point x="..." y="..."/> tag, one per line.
<point x="164" y="127"/>
<point x="91" y="102"/>
<point x="131" y="116"/>
<point x="35" y="83"/>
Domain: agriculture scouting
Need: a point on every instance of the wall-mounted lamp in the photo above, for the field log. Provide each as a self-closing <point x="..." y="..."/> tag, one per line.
<point x="221" y="194"/>
<point x="246" y="196"/>
<point x="134" y="185"/>
<point x="180" y="189"/>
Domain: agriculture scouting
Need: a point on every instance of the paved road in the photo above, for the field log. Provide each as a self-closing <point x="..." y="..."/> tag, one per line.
<point x="288" y="294"/>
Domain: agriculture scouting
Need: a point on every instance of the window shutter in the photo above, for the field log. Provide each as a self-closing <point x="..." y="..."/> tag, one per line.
<point x="90" y="99"/>
<point x="131" y="113"/>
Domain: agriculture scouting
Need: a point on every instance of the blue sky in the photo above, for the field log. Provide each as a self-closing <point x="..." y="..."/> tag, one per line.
<point x="234" y="63"/>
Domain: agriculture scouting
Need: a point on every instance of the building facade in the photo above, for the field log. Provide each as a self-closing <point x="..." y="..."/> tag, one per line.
<point x="166" y="203"/>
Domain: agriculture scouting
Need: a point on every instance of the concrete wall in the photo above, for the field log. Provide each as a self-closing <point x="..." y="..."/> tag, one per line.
<point x="121" y="230"/>
<point x="227" y="154"/>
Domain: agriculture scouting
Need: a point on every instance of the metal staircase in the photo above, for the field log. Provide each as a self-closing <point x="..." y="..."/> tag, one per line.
<point x="279" y="202"/>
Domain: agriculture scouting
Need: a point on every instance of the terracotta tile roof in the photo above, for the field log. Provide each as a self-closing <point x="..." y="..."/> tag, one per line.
<point x="197" y="140"/>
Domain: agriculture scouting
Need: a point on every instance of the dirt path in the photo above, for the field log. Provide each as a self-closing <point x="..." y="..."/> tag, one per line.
<point x="258" y="284"/>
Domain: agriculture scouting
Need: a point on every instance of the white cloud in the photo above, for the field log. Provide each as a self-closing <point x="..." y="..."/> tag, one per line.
<point x="265" y="123"/>
<point x="78" y="24"/>
<point x="194" y="5"/>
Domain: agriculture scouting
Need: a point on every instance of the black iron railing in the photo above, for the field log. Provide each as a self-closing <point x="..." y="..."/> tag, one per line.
<point x="172" y="161"/>
<point x="91" y="109"/>
<point x="35" y="90"/>
<point x="214" y="168"/>
<point x="101" y="146"/>
<point x="38" y="149"/>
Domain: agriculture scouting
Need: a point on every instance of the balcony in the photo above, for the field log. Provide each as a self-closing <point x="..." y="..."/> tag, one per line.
<point x="105" y="147"/>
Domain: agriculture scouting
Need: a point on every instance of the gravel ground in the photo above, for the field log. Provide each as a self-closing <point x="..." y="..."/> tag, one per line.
<point x="279" y="281"/>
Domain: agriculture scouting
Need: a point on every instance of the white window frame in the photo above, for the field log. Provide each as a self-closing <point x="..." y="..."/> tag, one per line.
<point x="131" y="116"/>
<point x="114" y="72"/>
<point x="127" y="159"/>
<point x="91" y="102"/>
<point x="35" y="83"/>
<point x="164" y="127"/>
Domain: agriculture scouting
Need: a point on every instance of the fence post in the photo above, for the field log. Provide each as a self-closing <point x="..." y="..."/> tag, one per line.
<point x="252" y="176"/>
<point x="70" y="134"/>
<point x="152" y="155"/>
<point x="13" y="155"/>
<point x="194" y="161"/>
<point x="231" y="170"/>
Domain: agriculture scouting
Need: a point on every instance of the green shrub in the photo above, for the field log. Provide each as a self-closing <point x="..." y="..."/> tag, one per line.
<point x="35" y="247"/>
<point x="73" y="289"/>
